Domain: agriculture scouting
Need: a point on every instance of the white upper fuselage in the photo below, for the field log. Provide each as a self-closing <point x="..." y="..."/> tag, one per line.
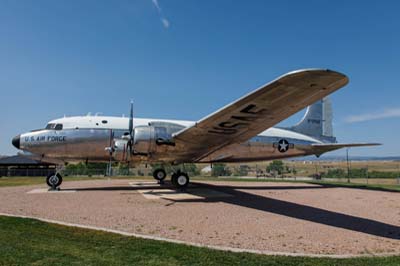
<point x="122" y="123"/>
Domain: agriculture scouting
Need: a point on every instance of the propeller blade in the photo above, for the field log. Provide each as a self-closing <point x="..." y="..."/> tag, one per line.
<point x="130" y="142"/>
<point x="111" y="139"/>
<point x="111" y="150"/>
<point x="131" y="120"/>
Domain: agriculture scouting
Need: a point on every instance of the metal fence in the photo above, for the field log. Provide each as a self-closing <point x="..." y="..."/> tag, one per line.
<point x="26" y="172"/>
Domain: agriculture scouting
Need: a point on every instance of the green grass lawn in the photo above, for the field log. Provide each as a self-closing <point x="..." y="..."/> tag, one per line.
<point x="31" y="242"/>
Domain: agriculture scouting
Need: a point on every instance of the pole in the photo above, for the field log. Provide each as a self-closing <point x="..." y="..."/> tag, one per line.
<point x="348" y="165"/>
<point x="398" y="174"/>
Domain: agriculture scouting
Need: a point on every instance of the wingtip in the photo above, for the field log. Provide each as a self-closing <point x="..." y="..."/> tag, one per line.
<point x="316" y="70"/>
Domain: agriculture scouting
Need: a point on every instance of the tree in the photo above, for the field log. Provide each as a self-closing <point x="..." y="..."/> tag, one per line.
<point x="155" y="166"/>
<point x="123" y="169"/>
<point x="276" y="166"/>
<point x="242" y="170"/>
<point x="191" y="169"/>
<point x="220" y="169"/>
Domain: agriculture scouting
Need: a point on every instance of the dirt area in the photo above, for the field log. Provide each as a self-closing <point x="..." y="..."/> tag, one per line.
<point x="280" y="217"/>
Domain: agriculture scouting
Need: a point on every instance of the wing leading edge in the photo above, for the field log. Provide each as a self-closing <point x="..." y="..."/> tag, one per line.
<point x="256" y="112"/>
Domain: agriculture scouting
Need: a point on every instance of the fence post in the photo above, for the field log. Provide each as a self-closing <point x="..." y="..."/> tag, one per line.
<point x="398" y="174"/>
<point x="348" y="165"/>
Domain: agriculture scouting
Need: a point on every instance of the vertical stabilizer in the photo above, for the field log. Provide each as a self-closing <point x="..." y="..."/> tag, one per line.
<point x="317" y="122"/>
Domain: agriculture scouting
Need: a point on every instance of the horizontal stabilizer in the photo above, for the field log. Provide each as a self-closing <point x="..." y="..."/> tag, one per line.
<point x="322" y="148"/>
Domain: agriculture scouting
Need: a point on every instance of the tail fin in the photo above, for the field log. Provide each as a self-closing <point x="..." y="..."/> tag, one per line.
<point x="317" y="122"/>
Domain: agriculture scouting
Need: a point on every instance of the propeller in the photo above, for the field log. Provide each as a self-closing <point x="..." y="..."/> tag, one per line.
<point x="110" y="150"/>
<point x="130" y="141"/>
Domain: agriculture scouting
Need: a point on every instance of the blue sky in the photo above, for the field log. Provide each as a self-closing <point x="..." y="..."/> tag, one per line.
<point x="185" y="59"/>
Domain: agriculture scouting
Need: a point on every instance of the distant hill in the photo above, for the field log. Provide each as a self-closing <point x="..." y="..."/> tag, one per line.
<point x="343" y="158"/>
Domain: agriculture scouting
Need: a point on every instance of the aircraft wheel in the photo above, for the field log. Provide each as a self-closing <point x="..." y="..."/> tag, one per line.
<point x="159" y="174"/>
<point x="180" y="180"/>
<point x="54" y="180"/>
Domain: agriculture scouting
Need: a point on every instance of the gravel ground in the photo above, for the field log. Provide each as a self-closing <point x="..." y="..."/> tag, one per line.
<point x="277" y="217"/>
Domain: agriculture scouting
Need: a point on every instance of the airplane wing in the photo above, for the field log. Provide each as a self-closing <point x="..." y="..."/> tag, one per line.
<point x="256" y="112"/>
<point x="326" y="147"/>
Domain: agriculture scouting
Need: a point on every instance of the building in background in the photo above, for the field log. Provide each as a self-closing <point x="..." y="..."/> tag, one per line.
<point x="23" y="166"/>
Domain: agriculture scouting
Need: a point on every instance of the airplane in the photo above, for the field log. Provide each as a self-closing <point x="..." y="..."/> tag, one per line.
<point x="242" y="131"/>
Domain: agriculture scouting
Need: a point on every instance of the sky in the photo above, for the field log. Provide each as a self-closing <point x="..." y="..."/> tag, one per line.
<point x="181" y="59"/>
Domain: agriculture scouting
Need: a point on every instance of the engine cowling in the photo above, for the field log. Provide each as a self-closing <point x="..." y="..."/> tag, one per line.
<point x="144" y="139"/>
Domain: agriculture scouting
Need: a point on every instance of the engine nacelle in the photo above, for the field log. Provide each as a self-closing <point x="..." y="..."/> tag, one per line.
<point x="147" y="139"/>
<point x="119" y="149"/>
<point x="144" y="139"/>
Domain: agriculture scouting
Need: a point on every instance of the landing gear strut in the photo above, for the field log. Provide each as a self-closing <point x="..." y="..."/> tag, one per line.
<point x="159" y="175"/>
<point x="54" y="181"/>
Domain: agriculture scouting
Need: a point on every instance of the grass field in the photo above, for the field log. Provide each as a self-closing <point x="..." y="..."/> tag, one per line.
<point x="31" y="242"/>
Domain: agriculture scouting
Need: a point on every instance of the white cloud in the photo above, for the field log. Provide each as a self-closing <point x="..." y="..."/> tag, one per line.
<point x="155" y="3"/>
<point x="387" y="113"/>
<point x="164" y="21"/>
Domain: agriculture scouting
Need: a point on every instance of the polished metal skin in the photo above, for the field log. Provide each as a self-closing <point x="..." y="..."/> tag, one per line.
<point x="69" y="145"/>
<point x="239" y="132"/>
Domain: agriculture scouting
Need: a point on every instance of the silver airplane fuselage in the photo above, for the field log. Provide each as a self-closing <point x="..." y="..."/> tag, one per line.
<point x="86" y="138"/>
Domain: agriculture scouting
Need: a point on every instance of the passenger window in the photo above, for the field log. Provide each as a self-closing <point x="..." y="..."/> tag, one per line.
<point x="104" y="121"/>
<point x="58" y="127"/>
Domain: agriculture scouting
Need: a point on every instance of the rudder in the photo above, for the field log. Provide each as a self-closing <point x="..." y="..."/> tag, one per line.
<point x="317" y="121"/>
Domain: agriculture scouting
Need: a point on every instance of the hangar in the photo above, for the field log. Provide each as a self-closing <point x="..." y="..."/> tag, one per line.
<point x="22" y="166"/>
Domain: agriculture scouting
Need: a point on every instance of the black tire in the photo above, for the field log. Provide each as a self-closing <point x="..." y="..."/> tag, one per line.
<point x="180" y="180"/>
<point x="159" y="174"/>
<point x="54" y="180"/>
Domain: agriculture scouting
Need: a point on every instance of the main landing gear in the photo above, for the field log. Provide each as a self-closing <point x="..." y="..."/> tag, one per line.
<point x="179" y="180"/>
<point x="54" y="181"/>
<point x="159" y="175"/>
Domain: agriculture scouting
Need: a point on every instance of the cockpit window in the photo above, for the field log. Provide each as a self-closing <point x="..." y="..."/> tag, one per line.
<point x="50" y="126"/>
<point x="54" y="126"/>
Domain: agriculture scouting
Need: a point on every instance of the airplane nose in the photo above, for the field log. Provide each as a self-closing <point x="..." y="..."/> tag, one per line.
<point x="16" y="141"/>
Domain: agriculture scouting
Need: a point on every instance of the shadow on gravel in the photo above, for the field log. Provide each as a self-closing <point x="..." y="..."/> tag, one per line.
<point x="303" y="212"/>
<point x="261" y="203"/>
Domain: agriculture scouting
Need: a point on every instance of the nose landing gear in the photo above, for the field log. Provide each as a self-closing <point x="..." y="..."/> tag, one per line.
<point x="54" y="181"/>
